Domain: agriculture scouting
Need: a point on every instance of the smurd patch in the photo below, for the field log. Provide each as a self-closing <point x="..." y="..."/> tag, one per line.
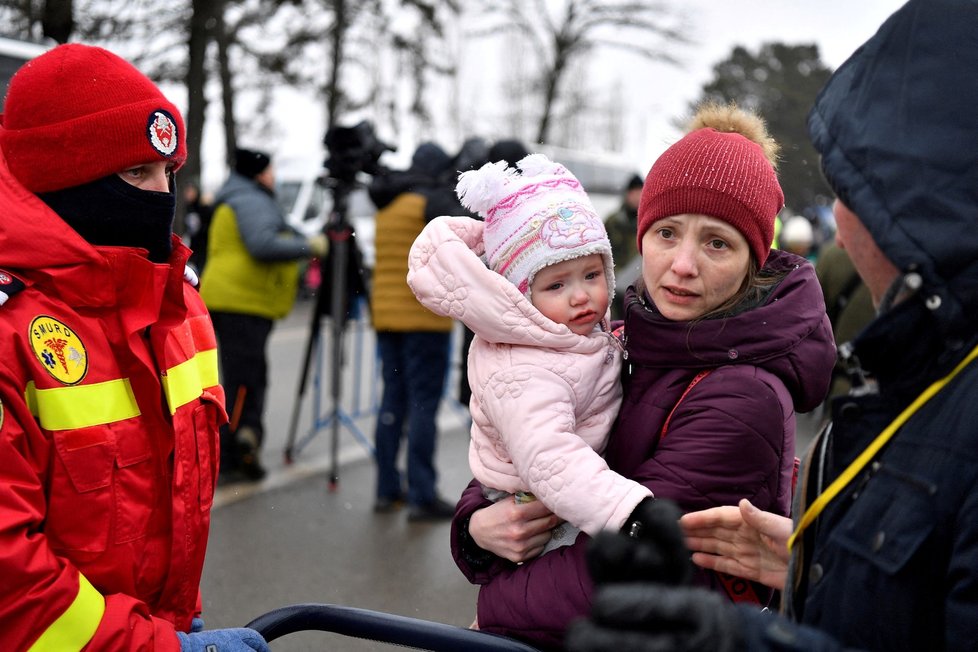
<point x="59" y="349"/>
<point x="161" y="129"/>
<point x="9" y="286"/>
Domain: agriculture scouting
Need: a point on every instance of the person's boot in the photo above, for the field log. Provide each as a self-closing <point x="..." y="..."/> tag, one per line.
<point x="249" y="465"/>
<point x="437" y="510"/>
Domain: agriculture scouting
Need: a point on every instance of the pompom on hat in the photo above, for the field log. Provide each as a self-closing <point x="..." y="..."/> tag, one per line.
<point x="78" y="113"/>
<point x="723" y="168"/>
<point x="536" y="215"/>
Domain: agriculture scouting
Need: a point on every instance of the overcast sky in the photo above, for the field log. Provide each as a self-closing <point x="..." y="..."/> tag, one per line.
<point x="657" y="93"/>
<point x="838" y="27"/>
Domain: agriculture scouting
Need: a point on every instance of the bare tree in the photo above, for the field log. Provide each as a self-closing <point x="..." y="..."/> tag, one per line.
<point x="202" y="21"/>
<point x="22" y="19"/>
<point x="35" y="20"/>
<point x="227" y="87"/>
<point x="323" y="46"/>
<point x="337" y="39"/>
<point x="561" y="33"/>
<point x="57" y="20"/>
<point x="424" y="53"/>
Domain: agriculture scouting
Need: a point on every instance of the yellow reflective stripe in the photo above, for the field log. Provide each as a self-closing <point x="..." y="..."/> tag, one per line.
<point x="30" y="397"/>
<point x="187" y="381"/>
<point x="857" y="465"/>
<point x="82" y="406"/>
<point x="77" y="625"/>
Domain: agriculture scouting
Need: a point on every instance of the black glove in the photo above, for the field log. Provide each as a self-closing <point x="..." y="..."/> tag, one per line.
<point x="657" y="618"/>
<point x="650" y="548"/>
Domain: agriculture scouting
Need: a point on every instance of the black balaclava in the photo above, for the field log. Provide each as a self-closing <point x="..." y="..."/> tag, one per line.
<point x="111" y="212"/>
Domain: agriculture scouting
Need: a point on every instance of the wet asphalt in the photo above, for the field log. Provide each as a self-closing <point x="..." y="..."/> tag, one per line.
<point x="307" y="532"/>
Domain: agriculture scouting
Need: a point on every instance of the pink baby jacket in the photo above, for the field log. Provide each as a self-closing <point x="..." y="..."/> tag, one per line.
<point x="543" y="398"/>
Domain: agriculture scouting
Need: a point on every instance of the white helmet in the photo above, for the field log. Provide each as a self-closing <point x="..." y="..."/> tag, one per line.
<point x="797" y="231"/>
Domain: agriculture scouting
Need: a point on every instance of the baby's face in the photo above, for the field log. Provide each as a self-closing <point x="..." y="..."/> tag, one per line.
<point x="573" y="292"/>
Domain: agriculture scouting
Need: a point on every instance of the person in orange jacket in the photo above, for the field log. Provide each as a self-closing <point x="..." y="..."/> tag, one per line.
<point x="109" y="396"/>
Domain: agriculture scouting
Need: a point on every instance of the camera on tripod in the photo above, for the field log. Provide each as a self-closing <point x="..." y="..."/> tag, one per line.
<point x="350" y="151"/>
<point x="353" y="150"/>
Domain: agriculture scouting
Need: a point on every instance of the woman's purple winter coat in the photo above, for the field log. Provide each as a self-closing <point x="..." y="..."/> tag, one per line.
<point x="731" y="437"/>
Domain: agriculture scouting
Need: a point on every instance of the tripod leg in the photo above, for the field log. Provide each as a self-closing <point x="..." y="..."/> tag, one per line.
<point x="339" y="242"/>
<point x="312" y="345"/>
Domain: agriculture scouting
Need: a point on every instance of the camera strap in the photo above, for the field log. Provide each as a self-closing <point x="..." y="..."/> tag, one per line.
<point x="847" y="476"/>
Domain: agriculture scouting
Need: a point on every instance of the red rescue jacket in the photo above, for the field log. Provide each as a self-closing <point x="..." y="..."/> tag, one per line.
<point x="109" y="414"/>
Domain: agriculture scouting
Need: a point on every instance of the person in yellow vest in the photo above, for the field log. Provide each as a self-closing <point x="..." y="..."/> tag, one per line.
<point x="413" y="342"/>
<point x="109" y="396"/>
<point x="250" y="280"/>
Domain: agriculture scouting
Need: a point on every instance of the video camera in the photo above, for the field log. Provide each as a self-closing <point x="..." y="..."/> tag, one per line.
<point x="353" y="150"/>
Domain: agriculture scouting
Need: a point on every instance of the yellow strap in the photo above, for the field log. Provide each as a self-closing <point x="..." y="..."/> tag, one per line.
<point x="187" y="381"/>
<point x="870" y="452"/>
<point x="77" y="625"/>
<point x="81" y="406"/>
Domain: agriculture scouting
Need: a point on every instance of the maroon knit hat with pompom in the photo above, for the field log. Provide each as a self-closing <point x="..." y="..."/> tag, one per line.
<point x="78" y="113"/>
<point x="721" y="174"/>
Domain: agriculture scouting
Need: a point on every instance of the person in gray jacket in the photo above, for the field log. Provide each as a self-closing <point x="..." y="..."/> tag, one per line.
<point x="882" y="552"/>
<point x="250" y="280"/>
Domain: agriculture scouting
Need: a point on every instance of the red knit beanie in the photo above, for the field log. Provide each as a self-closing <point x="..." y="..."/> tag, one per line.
<point x="720" y="174"/>
<point x="78" y="113"/>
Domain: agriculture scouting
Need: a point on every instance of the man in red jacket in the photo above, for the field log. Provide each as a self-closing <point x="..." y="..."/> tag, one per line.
<point x="109" y="396"/>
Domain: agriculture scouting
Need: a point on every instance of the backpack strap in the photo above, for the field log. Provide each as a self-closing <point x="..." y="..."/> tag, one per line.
<point x="695" y="381"/>
<point x="735" y="588"/>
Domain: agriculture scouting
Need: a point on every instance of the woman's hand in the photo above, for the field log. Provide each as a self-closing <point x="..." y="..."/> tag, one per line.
<point x="517" y="532"/>
<point x="742" y="541"/>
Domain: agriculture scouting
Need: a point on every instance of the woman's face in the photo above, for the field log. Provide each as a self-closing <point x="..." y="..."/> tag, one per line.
<point x="692" y="264"/>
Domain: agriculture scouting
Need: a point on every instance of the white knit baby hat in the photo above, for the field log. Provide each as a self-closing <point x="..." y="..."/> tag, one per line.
<point x="536" y="216"/>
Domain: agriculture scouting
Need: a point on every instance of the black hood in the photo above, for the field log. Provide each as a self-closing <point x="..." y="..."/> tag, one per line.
<point x="897" y="129"/>
<point x="428" y="163"/>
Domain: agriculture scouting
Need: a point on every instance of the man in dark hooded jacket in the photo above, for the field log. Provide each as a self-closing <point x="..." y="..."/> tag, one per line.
<point x="884" y="544"/>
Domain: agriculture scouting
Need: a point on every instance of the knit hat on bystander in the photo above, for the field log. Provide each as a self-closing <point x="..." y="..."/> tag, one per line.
<point x="724" y="168"/>
<point x="250" y="163"/>
<point x="536" y="216"/>
<point x="78" y="113"/>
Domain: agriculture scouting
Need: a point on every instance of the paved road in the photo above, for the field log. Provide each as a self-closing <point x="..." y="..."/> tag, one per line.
<point x="291" y="539"/>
